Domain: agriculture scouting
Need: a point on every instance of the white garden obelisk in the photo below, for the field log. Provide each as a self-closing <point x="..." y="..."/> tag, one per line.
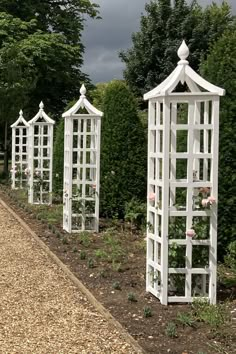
<point x="40" y="158"/>
<point x="81" y="166"/>
<point x="183" y="133"/>
<point x="19" y="152"/>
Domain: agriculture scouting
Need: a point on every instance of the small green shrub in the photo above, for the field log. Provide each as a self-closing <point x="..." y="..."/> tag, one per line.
<point x="135" y="212"/>
<point x="170" y="330"/>
<point x="113" y="247"/>
<point x="213" y="315"/>
<point x="101" y="254"/>
<point x="230" y="258"/>
<point x="65" y="241"/>
<point x="186" y="319"/>
<point x="91" y="263"/>
<point x="85" y="238"/>
<point x="116" y="285"/>
<point x="58" y="234"/>
<point x="117" y="267"/>
<point x="53" y="229"/>
<point x="83" y="255"/>
<point x="103" y="273"/>
<point x="132" y="297"/>
<point x="147" y="312"/>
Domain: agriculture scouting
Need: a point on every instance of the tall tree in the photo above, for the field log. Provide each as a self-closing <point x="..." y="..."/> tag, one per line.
<point x="220" y="68"/>
<point x="15" y="80"/>
<point x="35" y="66"/>
<point x="153" y="55"/>
<point x="61" y="16"/>
<point x="123" y="150"/>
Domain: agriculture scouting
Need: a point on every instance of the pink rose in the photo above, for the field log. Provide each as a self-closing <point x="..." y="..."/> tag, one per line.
<point x="211" y="200"/>
<point x="205" y="202"/>
<point x="190" y="233"/>
<point x="151" y="197"/>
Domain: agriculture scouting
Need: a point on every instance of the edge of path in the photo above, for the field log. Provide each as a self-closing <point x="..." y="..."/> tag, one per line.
<point x="98" y="306"/>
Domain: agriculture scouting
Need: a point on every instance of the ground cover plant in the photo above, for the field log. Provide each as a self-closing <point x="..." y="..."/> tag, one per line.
<point x="112" y="265"/>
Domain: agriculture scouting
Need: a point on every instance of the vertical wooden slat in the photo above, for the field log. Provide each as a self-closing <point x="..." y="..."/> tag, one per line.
<point x="214" y="193"/>
<point x="165" y="201"/>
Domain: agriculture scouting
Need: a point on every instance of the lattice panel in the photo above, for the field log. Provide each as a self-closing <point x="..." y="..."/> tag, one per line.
<point x="82" y="167"/>
<point x="181" y="242"/>
<point x="84" y="174"/>
<point x="19" y="155"/>
<point x="40" y="158"/>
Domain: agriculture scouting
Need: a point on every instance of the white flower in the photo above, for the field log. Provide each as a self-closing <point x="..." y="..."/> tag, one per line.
<point x="27" y="171"/>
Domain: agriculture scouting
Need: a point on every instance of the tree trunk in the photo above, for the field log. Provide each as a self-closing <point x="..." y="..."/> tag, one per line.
<point x="5" y="150"/>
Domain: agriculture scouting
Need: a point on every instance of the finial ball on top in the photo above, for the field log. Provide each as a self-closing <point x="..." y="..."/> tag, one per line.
<point x="83" y="90"/>
<point x="183" y="51"/>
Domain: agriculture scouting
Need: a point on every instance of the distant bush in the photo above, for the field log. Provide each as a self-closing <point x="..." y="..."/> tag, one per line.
<point x="230" y="258"/>
<point x="58" y="159"/>
<point x="123" y="151"/>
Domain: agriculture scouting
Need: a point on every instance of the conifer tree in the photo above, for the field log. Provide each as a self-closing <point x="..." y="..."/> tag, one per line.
<point x="123" y="150"/>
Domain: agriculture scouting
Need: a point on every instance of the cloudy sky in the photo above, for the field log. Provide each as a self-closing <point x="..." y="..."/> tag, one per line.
<point x="104" y="38"/>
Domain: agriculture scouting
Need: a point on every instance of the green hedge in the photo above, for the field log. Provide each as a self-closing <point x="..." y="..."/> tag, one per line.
<point x="123" y="151"/>
<point x="58" y="159"/>
<point x="220" y="69"/>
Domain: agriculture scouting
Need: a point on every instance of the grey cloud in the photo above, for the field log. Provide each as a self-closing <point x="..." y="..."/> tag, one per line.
<point x="104" y="38"/>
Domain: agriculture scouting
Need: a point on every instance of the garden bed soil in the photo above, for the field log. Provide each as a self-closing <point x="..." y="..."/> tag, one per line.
<point x="115" y="273"/>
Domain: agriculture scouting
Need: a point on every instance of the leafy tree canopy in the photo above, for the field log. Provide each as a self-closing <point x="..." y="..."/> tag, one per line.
<point x="162" y="29"/>
<point x="38" y="64"/>
<point x="62" y="16"/>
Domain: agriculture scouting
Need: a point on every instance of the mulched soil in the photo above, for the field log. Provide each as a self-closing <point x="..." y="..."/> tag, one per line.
<point x="100" y="278"/>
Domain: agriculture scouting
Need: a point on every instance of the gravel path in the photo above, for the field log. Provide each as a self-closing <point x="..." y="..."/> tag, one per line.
<point x="41" y="310"/>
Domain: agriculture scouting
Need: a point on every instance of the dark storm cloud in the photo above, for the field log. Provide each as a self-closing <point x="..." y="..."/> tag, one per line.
<point x="105" y="38"/>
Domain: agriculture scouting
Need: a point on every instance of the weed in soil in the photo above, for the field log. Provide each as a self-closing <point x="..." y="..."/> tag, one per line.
<point x="186" y="319"/>
<point x="85" y="238"/>
<point x="116" y="285"/>
<point x="65" y="241"/>
<point x="101" y="254"/>
<point x="171" y="330"/>
<point x="147" y="312"/>
<point x="132" y="297"/>
<point x="91" y="263"/>
<point x="103" y="273"/>
<point x="58" y="234"/>
<point x="82" y="255"/>
<point x="213" y="315"/>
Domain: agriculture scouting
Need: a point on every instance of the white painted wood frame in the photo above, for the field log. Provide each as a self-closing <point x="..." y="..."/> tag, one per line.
<point x="183" y="129"/>
<point x="40" y="144"/>
<point x="82" y="167"/>
<point x="19" y="162"/>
